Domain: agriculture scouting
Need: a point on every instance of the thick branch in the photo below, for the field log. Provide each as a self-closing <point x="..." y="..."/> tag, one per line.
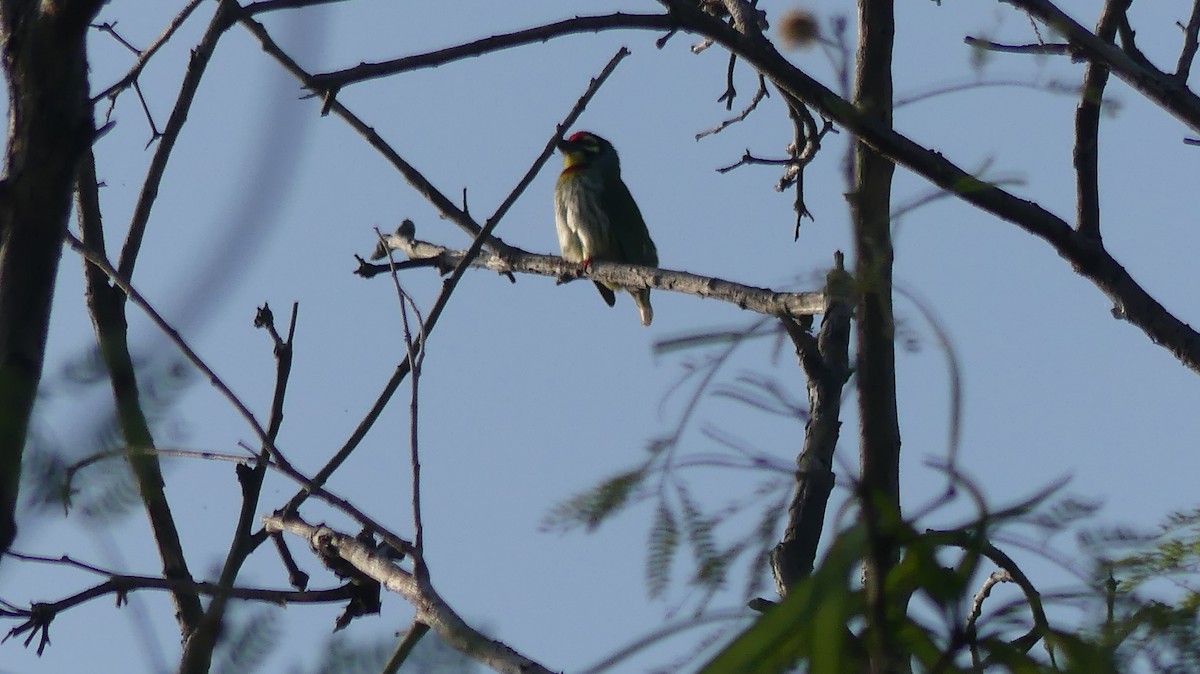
<point x="760" y="300"/>
<point x="826" y="364"/>
<point x="50" y="127"/>
<point x="430" y="608"/>
<point x="221" y="22"/>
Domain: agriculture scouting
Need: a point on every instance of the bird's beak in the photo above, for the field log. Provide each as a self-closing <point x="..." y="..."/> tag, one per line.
<point x="572" y="154"/>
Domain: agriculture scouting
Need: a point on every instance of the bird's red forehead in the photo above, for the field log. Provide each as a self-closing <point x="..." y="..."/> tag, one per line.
<point x="578" y="136"/>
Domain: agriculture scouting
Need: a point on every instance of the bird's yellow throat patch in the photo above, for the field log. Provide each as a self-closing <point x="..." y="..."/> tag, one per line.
<point x="573" y="160"/>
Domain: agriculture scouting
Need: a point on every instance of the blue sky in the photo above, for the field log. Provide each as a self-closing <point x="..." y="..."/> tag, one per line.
<point x="532" y="392"/>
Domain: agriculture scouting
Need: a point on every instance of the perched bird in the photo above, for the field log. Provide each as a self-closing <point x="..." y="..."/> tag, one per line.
<point x="597" y="217"/>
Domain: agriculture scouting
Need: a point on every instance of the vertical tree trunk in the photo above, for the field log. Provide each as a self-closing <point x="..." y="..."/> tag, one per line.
<point x="870" y="203"/>
<point x="50" y="126"/>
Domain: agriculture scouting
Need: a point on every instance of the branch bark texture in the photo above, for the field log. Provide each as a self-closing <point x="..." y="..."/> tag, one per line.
<point x="875" y="359"/>
<point x="761" y="300"/>
<point x="50" y="127"/>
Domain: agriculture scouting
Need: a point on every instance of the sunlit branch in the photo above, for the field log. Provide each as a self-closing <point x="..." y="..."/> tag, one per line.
<point x="430" y="608"/>
<point x="759" y="300"/>
<point x="1044" y="48"/>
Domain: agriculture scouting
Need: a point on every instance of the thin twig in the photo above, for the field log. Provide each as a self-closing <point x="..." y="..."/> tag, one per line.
<point x="102" y="263"/>
<point x="730" y="90"/>
<point x="272" y="5"/>
<point x="750" y="107"/>
<point x="415" y="356"/>
<point x="1126" y="62"/>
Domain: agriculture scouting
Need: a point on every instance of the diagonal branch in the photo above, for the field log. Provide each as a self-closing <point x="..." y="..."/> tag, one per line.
<point x="146" y="54"/>
<point x="106" y="306"/>
<point x="414" y="177"/>
<point x="1086" y="255"/>
<point x="201" y="54"/>
<point x="1162" y="88"/>
<point x="430" y="608"/>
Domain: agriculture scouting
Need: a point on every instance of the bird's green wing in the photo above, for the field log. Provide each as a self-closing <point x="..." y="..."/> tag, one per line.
<point x="632" y="238"/>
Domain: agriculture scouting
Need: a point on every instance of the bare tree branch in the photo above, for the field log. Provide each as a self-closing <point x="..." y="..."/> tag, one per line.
<point x="826" y="364"/>
<point x="760" y="300"/>
<point x="146" y="54"/>
<point x="1051" y="48"/>
<point x="1161" y="88"/>
<point x="878" y="492"/>
<point x="431" y="609"/>
<point x="201" y="54"/>
<point x="1087" y="126"/>
<point x="1086" y="255"/>
<point x="993" y="579"/>
<point x="325" y="83"/>
<point x="1191" y="41"/>
<point x="106" y="306"/>
<point x="199" y="645"/>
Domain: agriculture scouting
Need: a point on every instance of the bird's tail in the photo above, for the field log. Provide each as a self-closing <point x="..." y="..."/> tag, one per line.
<point x="642" y="298"/>
<point x="606" y="292"/>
